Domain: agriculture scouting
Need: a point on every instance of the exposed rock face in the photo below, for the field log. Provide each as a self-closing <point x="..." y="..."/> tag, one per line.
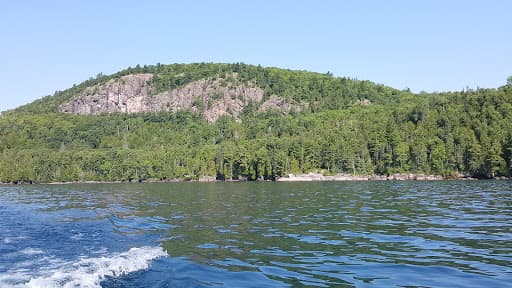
<point x="128" y="94"/>
<point x="211" y="98"/>
<point x="132" y="94"/>
<point x="276" y="103"/>
<point x="363" y="102"/>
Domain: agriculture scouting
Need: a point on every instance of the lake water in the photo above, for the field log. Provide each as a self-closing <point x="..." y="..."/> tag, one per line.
<point x="323" y="234"/>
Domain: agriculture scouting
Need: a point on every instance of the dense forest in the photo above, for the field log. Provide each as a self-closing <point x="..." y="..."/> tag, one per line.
<point x="345" y="126"/>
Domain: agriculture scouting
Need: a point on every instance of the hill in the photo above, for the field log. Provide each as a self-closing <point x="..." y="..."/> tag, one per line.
<point x="208" y="88"/>
<point x="238" y="121"/>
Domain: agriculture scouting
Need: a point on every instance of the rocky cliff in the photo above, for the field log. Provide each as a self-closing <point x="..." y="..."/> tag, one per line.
<point x="211" y="97"/>
<point x="127" y="94"/>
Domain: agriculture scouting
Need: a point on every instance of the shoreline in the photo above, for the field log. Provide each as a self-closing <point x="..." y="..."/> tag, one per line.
<point x="347" y="177"/>
<point x="312" y="176"/>
<point x="307" y="177"/>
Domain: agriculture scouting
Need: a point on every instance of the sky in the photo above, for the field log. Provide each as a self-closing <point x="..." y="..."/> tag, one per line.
<point x="424" y="45"/>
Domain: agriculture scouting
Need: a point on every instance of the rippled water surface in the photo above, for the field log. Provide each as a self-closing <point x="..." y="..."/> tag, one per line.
<point x="326" y="234"/>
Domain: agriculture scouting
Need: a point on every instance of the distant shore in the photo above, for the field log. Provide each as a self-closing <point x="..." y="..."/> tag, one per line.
<point x="393" y="177"/>
<point x="306" y="177"/>
<point x="348" y="177"/>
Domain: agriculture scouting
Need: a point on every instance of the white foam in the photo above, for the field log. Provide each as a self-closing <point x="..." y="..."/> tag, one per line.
<point x="31" y="251"/>
<point x="78" y="236"/>
<point x="86" y="272"/>
<point x="9" y="240"/>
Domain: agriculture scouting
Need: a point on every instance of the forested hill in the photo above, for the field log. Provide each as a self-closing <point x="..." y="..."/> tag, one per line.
<point x="238" y="121"/>
<point x="226" y="89"/>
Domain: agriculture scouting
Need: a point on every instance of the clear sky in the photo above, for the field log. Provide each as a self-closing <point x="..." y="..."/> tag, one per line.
<point x="430" y="45"/>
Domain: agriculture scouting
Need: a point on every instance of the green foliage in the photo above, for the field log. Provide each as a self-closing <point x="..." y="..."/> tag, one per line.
<point x="465" y="132"/>
<point x="321" y="91"/>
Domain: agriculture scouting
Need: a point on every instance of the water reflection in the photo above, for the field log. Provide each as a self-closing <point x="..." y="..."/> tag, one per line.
<point x="302" y="234"/>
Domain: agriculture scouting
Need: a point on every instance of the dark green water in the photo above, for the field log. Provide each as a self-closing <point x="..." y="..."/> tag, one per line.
<point x="325" y="234"/>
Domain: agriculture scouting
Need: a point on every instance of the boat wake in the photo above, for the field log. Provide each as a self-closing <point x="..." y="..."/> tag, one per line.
<point x="86" y="272"/>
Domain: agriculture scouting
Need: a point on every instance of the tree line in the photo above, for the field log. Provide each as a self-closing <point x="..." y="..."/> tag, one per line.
<point x="453" y="133"/>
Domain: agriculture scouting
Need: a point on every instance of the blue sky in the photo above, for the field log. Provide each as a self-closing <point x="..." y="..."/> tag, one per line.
<point x="423" y="45"/>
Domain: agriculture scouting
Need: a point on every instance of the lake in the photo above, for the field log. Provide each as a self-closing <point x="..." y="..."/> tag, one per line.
<point x="260" y="234"/>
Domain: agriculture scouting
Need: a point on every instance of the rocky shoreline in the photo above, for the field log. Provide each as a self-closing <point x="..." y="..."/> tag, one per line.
<point x="348" y="177"/>
<point x="392" y="177"/>
<point x="309" y="177"/>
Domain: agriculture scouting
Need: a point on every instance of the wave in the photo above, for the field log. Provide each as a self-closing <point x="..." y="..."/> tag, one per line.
<point x="86" y="272"/>
<point x="31" y="251"/>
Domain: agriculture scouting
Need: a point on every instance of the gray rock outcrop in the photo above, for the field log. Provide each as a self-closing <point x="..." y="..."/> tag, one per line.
<point x="133" y="94"/>
<point x="128" y="94"/>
